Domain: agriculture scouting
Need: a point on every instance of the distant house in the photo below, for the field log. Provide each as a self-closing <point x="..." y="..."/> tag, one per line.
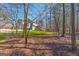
<point x="8" y="23"/>
<point x="30" y="24"/>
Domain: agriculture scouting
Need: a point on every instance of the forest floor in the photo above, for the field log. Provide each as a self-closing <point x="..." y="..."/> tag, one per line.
<point x="39" y="46"/>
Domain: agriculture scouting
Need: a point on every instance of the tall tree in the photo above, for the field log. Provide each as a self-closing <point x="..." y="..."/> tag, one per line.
<point x="73" y="39"/>
<point x="16" y="5"/>
<point x="46" y="16"/>
<point x="25" y="22"/>
<point x="77" y="12"/>
<point x="50" y="16"/>
<point x="63" y="25"/>
<point x="56" y="18"/>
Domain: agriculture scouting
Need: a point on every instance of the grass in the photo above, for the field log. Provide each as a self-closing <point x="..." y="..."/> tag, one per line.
<point x="38" y="32"/>
<point x="2" y="41"/>
<point x="3" y="36"/>
<point x="31" y="33"/>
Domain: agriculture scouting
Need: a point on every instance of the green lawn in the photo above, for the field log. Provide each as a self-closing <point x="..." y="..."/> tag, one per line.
<point x="31" y="33"/>
<point x="37" y="32"/>
<point x="3" y="36"/>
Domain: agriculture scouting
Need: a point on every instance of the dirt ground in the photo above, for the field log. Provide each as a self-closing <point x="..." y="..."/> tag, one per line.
<point x="38" y="46"/>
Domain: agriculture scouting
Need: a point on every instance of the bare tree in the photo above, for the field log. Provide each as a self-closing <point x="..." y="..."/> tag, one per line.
<point x="46" y="16"/>
<point x="56" y="18"/>
<point x="50" y="15"/>
<point x="73" y="38"/>
<point x="77" y="14"/>
<point x="16" y="18"/>
<point x="63" y="25"/>
<point x="25" y="22"/>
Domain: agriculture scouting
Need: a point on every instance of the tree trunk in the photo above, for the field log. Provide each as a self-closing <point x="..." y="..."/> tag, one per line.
<point x="16" y="18"/>
<point x="73" y="39"/>
<point x="50" y="17"/>
<point x="46" y="18"/>
<point x="77" y="19"/>
<point x="77" y="23"/>
<point x="63" y="29"/>
<point x="25" y="23"/>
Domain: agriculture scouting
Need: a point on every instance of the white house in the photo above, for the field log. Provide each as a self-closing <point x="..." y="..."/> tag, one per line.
<point x="34" y="26"/>
<point x="31" y="25"/>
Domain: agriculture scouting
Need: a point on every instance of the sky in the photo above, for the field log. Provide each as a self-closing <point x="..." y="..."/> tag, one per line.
<point x="34" y="9"/>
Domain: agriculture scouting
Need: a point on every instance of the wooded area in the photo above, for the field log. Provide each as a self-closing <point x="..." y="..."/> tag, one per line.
<point x="39" y="29"/>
